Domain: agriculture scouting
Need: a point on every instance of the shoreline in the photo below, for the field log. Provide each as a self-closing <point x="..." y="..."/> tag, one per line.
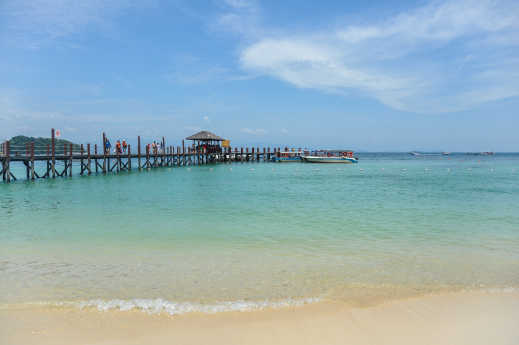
<point x="482" y="317"/>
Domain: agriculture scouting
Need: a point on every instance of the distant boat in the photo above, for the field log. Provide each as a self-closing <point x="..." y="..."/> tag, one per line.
<point x="488" y="153"/>
<point x="331" y="156"/>
<point x="446" y="153"/>
<point x="419" y="154"/>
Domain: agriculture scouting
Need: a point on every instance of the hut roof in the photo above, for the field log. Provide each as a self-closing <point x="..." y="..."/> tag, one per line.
<point x="205" y="135"/>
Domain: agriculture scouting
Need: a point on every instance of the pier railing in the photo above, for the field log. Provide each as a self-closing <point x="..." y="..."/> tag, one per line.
<point x="58" y="160"/>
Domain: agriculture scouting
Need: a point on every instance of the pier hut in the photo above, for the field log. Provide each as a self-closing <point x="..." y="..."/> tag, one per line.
<point x="207" y="142"/>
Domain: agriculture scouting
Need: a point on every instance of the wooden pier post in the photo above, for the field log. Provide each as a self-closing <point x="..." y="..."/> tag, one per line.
<point x="3" y="162"/>
<point x="196" y="151"/>
<point x="147" y="156"/>
<point x="139" y="152"/>
<point x="183" y="153"/>
<point x="129" y="162"/>
<point x="53" y="151"/>
<point x="47" y="173"/>
<point x="82" y="161"/>
<point x="104" y="153"/>
<point x="155" y="152"/>
<point x="65" y="165"/>
<point x="7" y="168"/>
<point x="71" y="160"/>
<point x="88" y="160"/>
<point x="118" y="162"/>
<point x="26" y="162"/>
<point x="32" y="161"/>
<point x="163" y="153"/>
<point x="95" y="158"/>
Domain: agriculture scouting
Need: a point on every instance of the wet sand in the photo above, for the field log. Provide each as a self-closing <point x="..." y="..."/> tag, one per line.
<point x="460" y="318"/>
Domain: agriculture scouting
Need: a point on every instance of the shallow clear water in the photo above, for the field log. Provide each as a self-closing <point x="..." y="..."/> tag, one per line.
<point x="390" y="226"/>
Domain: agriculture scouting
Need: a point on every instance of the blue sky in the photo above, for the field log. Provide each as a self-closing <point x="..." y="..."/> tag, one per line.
<point x="383" y="76"/>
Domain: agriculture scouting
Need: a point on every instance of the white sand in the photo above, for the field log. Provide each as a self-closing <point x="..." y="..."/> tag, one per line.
<point x="461" y="318"/>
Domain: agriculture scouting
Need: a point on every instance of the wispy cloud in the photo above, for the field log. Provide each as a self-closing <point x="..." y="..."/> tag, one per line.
<point x="445" y="56"/>
<point x="256" y="131"/>
<point x="198" y="76"/>
<point x="188" y="69"/>
<point x="242" y="17"/>
<point x="193" y="128"/>
<point x="32" y="23"/>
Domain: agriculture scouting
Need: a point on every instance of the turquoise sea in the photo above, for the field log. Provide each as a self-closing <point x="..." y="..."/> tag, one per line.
<point x="250" y="235"/>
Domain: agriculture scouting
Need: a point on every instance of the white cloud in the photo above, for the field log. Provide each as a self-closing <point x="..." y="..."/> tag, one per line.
<point x="206" y="118"/>
<point x="257" y="131"/>
<point x="444" y="56"/>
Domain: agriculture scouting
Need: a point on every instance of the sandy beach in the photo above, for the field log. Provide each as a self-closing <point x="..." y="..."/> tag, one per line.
<point x="459" y="318"/>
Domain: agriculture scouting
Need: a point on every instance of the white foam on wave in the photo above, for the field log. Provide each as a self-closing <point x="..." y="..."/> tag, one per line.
<point x="492" y="290"/>
<point x="159" y="305"/>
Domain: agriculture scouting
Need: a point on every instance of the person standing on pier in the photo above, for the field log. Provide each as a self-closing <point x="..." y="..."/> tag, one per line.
<point x="108" y="146"/>
<point x="125" y="145"/>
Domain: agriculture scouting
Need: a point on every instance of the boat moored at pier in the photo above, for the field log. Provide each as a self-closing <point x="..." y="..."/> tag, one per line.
<point x="331" y="156"/>
<point x="288" y="156"/>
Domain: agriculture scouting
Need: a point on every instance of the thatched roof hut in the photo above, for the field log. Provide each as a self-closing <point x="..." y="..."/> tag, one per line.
<point x="205" y="136"/>
<point x="207" y="142"/>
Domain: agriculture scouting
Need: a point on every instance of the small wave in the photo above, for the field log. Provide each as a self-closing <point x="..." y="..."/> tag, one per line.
<point x="159" y="305"/>
<point x="491" y="290"/>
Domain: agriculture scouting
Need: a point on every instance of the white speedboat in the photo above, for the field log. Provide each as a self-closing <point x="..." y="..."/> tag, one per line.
<point x="335" y="156"/>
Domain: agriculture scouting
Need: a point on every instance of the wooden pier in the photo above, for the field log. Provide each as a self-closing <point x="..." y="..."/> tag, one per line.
<point x="58" y="161"/>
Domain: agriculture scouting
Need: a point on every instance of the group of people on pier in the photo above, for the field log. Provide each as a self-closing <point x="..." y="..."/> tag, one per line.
<point x="155" y="147"/>
<point x="121" y="146"/>
<point x="208" y="148"/>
